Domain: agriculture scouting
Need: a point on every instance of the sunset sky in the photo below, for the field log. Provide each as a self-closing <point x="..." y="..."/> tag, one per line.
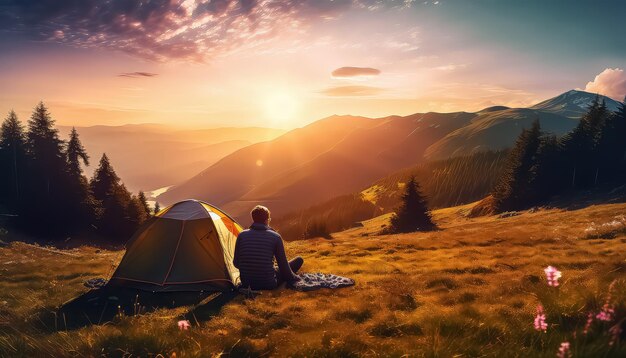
<point x="286" y="63"/>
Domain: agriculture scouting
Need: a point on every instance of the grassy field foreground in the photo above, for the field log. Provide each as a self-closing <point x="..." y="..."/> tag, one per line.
<point x="471" y="289"/>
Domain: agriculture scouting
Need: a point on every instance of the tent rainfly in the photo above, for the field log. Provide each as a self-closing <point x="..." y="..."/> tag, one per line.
<point x="188" y="246"/>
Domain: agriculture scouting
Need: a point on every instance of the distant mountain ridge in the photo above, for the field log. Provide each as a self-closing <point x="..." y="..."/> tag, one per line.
<point x="496" y="128"/>
<point x="149" y="156"/>
<point x="573" y="103"/>
<point x="342" y="154"/>
<point x="324" y="159"/>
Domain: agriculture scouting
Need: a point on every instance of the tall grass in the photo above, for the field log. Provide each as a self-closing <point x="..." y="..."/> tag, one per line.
<point x="331" y="216"/>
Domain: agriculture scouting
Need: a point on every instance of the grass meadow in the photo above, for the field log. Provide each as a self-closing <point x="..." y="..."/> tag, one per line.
<point x="469" y="290"/>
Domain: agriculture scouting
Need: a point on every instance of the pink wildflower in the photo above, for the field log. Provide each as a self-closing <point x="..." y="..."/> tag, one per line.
<point x="184" y="325"/>
<point x="553" y="275"/>
<point x="589" y="322"/>
<point x="615" y="332"/>
<point x="540" y="320"/>
<point x="606" y="314"/>
<point x="564" y="350"/>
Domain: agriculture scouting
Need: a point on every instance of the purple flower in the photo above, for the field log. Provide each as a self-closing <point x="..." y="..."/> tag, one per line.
<point x="184" y="325"/>
<point x="553" y="275"/>
<point x="540" y="320"/>
<point x="564" y="350"/>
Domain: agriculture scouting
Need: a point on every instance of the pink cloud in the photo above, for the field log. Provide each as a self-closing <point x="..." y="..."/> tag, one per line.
<point x="611" y="82"/>
<point x="346" y="72"/>
<point x="192" y="30"/>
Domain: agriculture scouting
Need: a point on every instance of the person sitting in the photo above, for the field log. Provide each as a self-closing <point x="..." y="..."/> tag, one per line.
<point x="255" y="251"/>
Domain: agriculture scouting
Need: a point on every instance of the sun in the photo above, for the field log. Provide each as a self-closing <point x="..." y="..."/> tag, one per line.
<point x="281" y="106"/>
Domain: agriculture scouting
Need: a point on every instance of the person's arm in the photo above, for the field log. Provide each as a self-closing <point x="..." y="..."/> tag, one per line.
<point x="283" y="265"/>
<point x="236" y="255"/>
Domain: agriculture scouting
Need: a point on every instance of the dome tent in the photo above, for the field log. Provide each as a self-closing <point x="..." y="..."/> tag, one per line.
<point x="188" y="246"/>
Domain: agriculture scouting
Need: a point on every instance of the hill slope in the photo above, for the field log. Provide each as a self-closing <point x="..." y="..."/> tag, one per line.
<point x="238" y="173"/>
<point x="496" y="130"/>
<point x="471" y="289"/>
<point x="337" y="155"/>
<point x="342" y="154"/>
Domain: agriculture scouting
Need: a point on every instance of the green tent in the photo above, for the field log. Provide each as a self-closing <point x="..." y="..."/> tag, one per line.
<point x="188" y="246"/>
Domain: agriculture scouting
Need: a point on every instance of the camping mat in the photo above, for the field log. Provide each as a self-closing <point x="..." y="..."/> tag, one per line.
<point x="315" y="281"/>
<point x="95" y="282"/>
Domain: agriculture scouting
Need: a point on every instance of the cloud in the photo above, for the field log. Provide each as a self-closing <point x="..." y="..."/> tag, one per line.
<point x="349" y="91"/>
<point x="611" y="82"/>
<point x="192" y="30"/>
<point x="345" y="72"/>
<point x="137" y="74"/>
<point x="450" y="67"/>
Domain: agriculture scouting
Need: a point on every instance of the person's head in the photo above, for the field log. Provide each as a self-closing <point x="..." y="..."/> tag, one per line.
<point x="260" y="214"/>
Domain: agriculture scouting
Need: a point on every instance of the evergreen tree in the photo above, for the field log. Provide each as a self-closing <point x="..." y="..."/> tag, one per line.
<point x="413" y="214"/>
<point x="46" y="182"/>
<point x="514" y="190"/>
<point x="114" y="220"/>
<point x="75" y="154"/>
<point x="47" y="155"/>
<point x="119" y="216"/>
<point x="144" y="203"/>
<point x="136" y="214"/>
<point x="80" y="204"/>
<point x="157" y="208"/>
<point x="580" y="146"/>
<point x="611" y="148"/>
<point x="12" y="159"/>
<point x="104" y="179"/>
<point x="546" y="174"/>
<point x="619" y="126"/>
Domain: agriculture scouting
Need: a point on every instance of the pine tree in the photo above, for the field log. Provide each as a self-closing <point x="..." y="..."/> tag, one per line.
<point x="619" y="127"/>
<point x="514" y="190"/>
<point x="121" y="213"/>
<point x="144" y="203"/>
<point x="46" y="152"/>
<point x="413" y="214"/>
<point x="46" y="177"/>
<point x="12" y="159"/>
<point x="546" y="174"/>
<point x="75" y="153"/>
<point x="114" y="220"/>
<point x="80" y="204"/>
<point x="136" y="214"/>
<point x="611" y="147"/>
<point x="104" y="179"/>
<point x="157" y="208"/>
<point x="580" y="146"/>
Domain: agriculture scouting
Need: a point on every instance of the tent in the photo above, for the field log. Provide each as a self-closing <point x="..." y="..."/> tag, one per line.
<point x="188" y="246"/>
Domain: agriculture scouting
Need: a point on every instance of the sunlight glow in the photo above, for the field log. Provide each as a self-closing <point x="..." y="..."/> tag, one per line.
<point x="281" y="107"/>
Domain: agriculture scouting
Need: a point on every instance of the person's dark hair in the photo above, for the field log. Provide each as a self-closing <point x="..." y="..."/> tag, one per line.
<point x="260" y="214"/>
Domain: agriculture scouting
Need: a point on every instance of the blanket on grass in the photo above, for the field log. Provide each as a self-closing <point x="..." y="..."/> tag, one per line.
<point x="95" y="282"/>
<point x="315" y="281"/>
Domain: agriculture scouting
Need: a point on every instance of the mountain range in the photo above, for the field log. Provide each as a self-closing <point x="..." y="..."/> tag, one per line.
<point x="343" y="154"/>
<point x="496" y="128"/>
<point x="150" y="156"/>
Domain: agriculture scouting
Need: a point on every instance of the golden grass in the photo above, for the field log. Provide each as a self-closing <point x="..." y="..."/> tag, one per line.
<point x="470" y="289"/>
